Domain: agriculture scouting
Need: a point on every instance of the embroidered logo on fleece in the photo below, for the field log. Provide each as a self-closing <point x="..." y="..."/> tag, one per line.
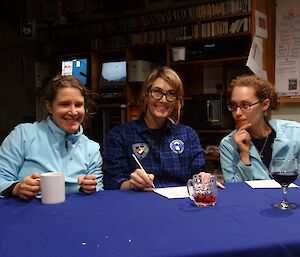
<point x="177" y="146"/>
<point x="140" y="150"/>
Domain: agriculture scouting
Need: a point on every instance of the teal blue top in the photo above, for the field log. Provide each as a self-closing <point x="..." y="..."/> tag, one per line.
<point x="44" y="147"/>
<point x="286" y="144"/>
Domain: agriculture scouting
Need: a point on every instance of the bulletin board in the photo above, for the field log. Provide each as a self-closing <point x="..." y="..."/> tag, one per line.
<point x="287" y="55"/>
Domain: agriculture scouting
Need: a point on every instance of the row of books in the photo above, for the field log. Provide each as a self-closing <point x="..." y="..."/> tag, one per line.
<point x="219" y="28"/>
<point x="187" y="14"/>
<point x="119" y="41"/>
<point x="64" y="32"/>
<point x="173" y="34"/>
<point x="221" y="8"/>
<point x="150" y="37"/>
<point x="148" y="21"/>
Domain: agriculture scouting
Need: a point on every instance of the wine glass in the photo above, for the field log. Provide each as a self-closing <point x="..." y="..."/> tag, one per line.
<point x="284" y="171"/>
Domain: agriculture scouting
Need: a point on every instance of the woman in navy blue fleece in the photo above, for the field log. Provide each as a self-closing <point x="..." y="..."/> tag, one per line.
<point x="169" y="153"/>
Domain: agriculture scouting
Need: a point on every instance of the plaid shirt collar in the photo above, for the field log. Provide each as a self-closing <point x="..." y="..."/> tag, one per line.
<point x="143" y="128"/>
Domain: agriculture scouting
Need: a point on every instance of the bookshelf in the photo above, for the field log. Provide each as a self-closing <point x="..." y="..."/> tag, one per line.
<point x="228" y="24"/>
<point x="191" y="22"/>
<point x="217" y="36"/>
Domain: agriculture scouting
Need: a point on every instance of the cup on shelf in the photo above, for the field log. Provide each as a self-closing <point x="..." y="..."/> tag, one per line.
<point x="178" y="53"/>
<point x="52" y="187"/>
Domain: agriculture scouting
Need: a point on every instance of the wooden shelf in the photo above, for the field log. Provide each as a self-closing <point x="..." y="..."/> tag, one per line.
<point x="206" y="62"/>
<point x="290" y="99"/>
<point x="217" y="37"/>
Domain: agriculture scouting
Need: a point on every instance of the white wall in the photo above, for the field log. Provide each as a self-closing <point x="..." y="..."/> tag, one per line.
<point x="288" y="111"/>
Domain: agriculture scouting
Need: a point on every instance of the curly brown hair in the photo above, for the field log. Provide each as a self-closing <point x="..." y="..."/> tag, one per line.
<point x="263" y="90"/>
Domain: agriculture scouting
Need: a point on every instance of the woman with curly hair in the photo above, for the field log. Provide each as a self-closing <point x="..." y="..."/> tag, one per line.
<point x="246" y="152"/>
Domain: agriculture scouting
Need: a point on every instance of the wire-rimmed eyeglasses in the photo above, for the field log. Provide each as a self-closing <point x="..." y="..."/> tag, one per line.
<point x="243" y="106"/>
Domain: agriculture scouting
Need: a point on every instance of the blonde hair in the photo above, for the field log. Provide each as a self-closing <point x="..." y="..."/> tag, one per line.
<point x="263" y="90"/>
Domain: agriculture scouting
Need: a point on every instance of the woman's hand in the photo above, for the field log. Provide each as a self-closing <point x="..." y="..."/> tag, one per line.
<point x="206" y="178"/>
<point x="28" y="188"/>
<point x="140" y="180"/>
<point x="88" y="183"/>
<point x="243" y="139"/>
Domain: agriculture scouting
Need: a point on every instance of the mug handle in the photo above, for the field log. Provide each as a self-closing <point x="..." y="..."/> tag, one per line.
<point x="190" y="189"/>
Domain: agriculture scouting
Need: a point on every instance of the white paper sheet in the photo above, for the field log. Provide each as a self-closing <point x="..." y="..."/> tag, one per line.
<point x="172" y="192"/>
<point x="255" y="58"/>
<point x="270" y="183"/>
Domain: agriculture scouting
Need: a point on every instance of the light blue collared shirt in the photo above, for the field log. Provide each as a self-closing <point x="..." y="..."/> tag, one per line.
<point x="286" y="144"/>
<point x="44" y="147"/>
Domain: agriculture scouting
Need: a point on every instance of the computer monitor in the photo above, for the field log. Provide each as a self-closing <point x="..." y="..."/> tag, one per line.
<point x="113" y="74"/>
<point x="77" y="67"/>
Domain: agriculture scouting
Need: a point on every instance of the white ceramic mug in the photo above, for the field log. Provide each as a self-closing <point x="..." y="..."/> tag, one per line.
<point x="52" y="187"/>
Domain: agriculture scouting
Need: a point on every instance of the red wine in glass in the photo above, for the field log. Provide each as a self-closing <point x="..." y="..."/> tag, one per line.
<point x="205" y="200"/>
<point x="285" y="178"/>
<point x="284" y="171"/>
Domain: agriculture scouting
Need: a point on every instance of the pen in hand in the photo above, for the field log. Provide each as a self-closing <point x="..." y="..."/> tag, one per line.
<point x="141" y="167"/>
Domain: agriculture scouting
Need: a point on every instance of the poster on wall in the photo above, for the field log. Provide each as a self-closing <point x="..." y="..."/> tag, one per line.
<point x="287" y="55"/>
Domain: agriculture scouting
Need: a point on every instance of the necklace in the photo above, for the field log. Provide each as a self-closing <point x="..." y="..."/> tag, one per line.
<point x="263" y="147"/>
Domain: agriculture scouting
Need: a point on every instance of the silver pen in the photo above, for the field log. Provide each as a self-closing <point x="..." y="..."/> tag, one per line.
<point x="141" y="167"/>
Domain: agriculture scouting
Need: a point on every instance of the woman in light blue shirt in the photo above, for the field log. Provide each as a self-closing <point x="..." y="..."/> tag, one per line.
<point x="54" y="144"/>
<point x="246" y="153"/>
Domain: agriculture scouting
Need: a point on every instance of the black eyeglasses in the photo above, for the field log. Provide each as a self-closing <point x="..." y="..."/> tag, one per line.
<point x="243" y="106"/>
<point x="158" y="93"/>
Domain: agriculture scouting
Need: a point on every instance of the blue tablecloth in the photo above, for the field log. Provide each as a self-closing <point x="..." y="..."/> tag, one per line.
<point x="140" y="224"/>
